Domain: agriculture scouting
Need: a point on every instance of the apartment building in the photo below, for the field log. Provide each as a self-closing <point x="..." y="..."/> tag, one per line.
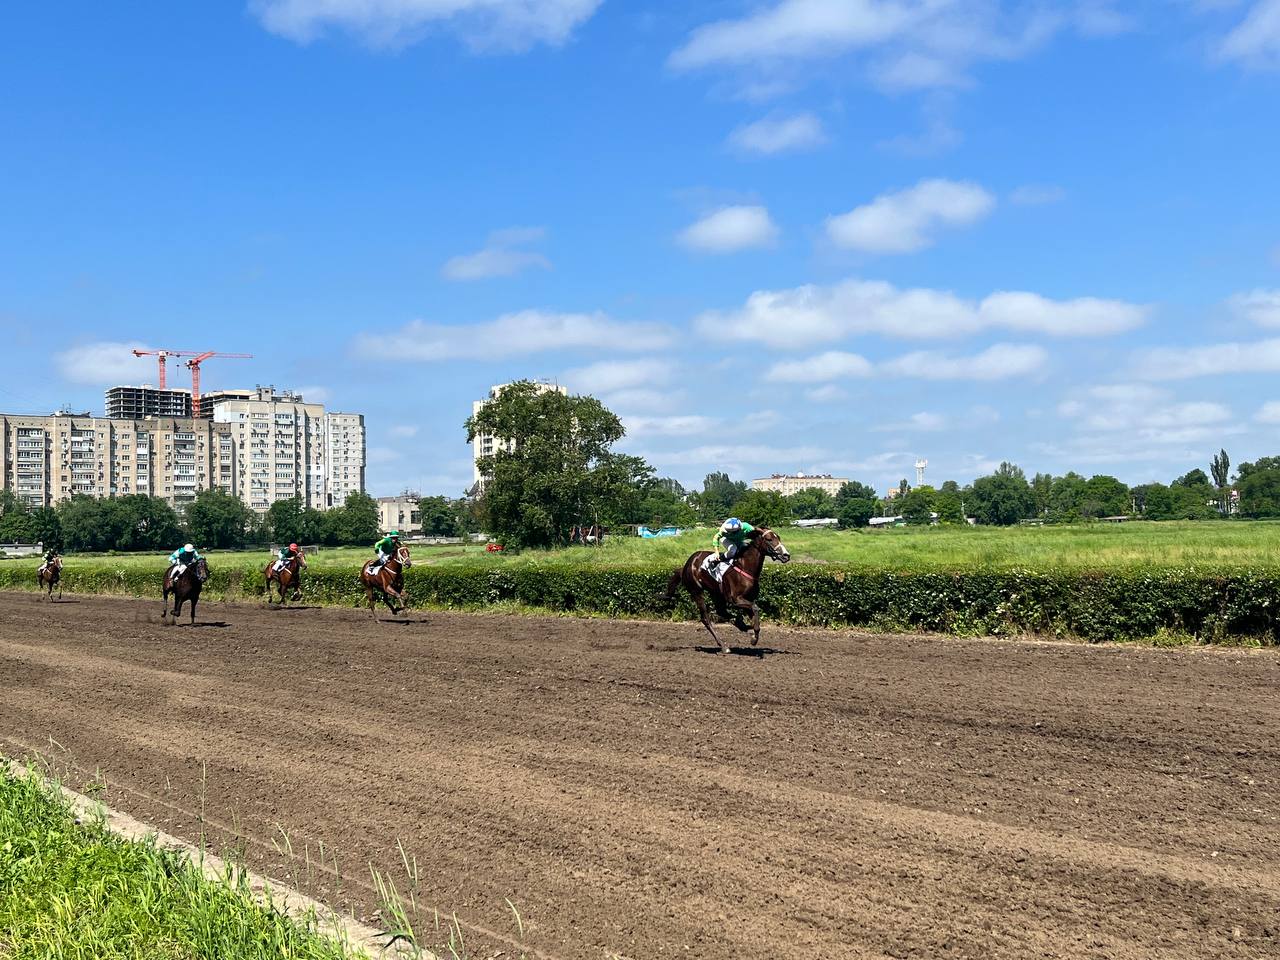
<point x="486" y="446"/>
<point x="280" y="447"/>
<point x="399" y="513"/>
<point x="53" y="458"/>
<point x="344" y="445"/>
<point x="134" y="403"/>
<point x="789" y="483"/>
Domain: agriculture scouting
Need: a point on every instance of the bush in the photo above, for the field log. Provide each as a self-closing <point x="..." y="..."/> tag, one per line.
<point x="1116" y="605"/>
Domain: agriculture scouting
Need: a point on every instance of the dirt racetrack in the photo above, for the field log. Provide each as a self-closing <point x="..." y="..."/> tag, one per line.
<point x="840" y="795"/>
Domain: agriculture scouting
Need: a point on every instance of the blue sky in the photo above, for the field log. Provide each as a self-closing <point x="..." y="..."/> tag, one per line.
<point x="774" y="235"/>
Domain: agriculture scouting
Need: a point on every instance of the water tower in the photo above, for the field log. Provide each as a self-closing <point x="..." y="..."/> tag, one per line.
<point x="920" y="465"/>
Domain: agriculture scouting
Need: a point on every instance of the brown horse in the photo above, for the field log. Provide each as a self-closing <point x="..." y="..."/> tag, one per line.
<point x="185" y="588"/>
<point x="738" y="587"/>
<point x="50" y="574"/>
<point x="389" y="582"/>
<point x="288" y="576"/>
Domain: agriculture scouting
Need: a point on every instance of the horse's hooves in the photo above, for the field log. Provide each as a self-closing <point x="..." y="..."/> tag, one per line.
<point x="755" y="640"/>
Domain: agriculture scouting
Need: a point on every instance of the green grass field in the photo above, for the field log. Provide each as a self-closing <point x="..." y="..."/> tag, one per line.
<point x="73" y="889"/>
<point x="1128" y="546"/>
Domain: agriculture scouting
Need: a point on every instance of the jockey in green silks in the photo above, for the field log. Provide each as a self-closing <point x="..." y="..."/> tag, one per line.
<point x="730" y="539"/>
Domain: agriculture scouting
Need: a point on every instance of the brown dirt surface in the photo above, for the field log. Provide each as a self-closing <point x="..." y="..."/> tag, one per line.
<point x="829" y="795"/>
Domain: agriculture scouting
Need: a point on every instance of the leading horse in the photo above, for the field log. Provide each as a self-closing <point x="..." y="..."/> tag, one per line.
<point x="388" y="581"/>
<point x="50" y="575"/>
<point x="738" y="587"/>
<point x="185" y="589"/>
<point x="288" y="576"/>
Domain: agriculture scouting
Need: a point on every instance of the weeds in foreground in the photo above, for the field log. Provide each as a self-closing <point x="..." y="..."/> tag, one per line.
<point x="71" y="888"/>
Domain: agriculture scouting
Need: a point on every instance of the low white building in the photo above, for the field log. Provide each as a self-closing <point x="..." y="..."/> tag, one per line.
<point x="399" y="513"/>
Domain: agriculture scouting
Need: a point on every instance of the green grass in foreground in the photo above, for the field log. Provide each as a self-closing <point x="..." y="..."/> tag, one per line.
<point x="75" y="890"/>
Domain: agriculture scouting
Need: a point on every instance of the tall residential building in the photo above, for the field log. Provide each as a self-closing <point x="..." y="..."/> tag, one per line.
<point x="280" y="443"/>
<point x="49" y="459"/>
<point x="344" y="456"/>
<point x="789" y="483"/>
<point x="486" y="446"/>
<point x="134" y="403"/>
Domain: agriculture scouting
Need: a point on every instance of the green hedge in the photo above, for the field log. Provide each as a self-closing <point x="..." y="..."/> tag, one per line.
<point x="1102" y="606"/>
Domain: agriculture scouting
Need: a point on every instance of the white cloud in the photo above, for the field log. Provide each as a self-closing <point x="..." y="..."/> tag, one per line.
<point x="811" y="314"/>
<point x="1148" y="414"/>
<point x="686" y="425"/>
<point x="1269" y="412"/>
<point x="379" y="455"/>
<point x="501" y="256"/>
<point x="910" y="44"/>
<point x="316" y="394"/>
<point x="484" y="24"/>
<point x="906" y="221"/>
<point x="832" y="365"/>
<point x="610" y="376"/>
<point x="802" y="131"/>
<point x="512" y="334"/>
<point x="828" y="393"/>
<point x="998" y="362"/>
<point x="1037" y="195"/>
<point x="735" y="456"/>
<point x="404" y="430"/>
<point x="641" y="398"/>
<point x="924" y="422"/>
<point x="1255" y="42"/>
<point x="1180" y="363"/>
<point x="730" y="229"/>
<point x="1258" y="306"/>
<point x="108" y="363"/>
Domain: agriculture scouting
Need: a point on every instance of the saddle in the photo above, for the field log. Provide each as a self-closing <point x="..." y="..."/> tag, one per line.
<point x="716" y="569"/>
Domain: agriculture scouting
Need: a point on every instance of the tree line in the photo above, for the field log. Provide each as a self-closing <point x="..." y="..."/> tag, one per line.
<point x="213" y="520"/>
<point x="559" y="470"/>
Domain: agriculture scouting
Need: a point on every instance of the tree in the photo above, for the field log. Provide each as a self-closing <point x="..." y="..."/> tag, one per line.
<point x="949" y="507"/>
<point x="1066" y="497"/>
<point x="1192" y="478"/>
<point x="1001" y="499"/>
<point x="856" y="512"/>
<point x="1263" y="463"/>
<point x="1105" y="497"/>
<point x="1042" y="492"/>
<point x="853" y="490"/>
<point x="949" y="486"/>
<point x="811" y="503"/>
<point x="357" y="520"/>
<point x="218" y="520"/>
<point x="438" y="516"/>
<point x="1221" y="470"/>
<point x="916" y="508"/>
<point x="718" y="496"/>
<point x="555" y="474"/>
<point x="763" y="508"/>
<point x="285" y="522"/>
<point x="1007" y="469"/>
<point x="1260" y="494"/>
<point x="45" y="527"/>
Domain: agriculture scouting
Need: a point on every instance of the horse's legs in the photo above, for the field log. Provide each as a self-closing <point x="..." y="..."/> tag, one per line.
<point x="705" y="612"/>
<point x="368" y="595"/>
<point x="195" y="598"/>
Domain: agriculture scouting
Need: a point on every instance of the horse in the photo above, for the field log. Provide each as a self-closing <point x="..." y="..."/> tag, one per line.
<point x="738" y="587"/>
<point x="50" y="574"/>
<point x="184" y="588"/>
<point x="289" y="576"/>
<point x="389" y="581"/>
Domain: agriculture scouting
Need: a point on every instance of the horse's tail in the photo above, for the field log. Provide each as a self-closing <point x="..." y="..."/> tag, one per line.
<point x="673" y="584"/>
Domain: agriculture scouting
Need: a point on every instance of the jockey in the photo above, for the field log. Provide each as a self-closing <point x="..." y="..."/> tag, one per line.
<point x="286" y="554"/>
<point x="49" y="556"/>
<point x="386" y="549"/>
<point x="180" y="559"/>
<point x="730" y="539"/>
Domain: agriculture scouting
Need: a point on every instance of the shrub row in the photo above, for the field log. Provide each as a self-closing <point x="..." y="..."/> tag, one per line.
<point x="1114" y="605"/>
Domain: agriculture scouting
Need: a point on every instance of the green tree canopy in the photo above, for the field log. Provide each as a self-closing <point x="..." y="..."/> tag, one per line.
<point x="916" y="508"/>
<point x="559" y="471"/>
<point x="218" y="520"/>
<point x="811" y="503"/>
<point x="1001" y="499"/>
<point x="853" y="490"/>
<point x="1260" y="494"/>
<point x="1105" y="497"/>
<point x="1193" y="478"/>
<point x="856" y="512"/>
<point x="762" y="508"/>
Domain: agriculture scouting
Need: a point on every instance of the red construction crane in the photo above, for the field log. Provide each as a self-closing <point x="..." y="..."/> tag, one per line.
<point x="194" y="366"/>
<point x="162" y="356"/>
